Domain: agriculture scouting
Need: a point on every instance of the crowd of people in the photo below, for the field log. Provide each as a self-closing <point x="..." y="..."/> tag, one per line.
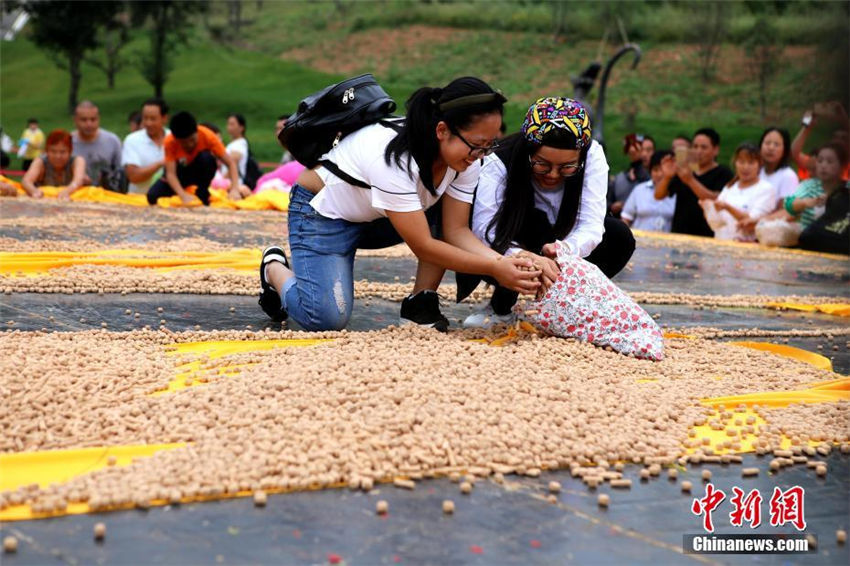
<point x="161" y="156"/>
<point x="684" y="189"/>
<point x="463" y="196"/>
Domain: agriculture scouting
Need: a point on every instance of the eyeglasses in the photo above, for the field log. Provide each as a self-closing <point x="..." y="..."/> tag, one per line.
<point x="565" y="170"/>
<point x="476" y="151"/>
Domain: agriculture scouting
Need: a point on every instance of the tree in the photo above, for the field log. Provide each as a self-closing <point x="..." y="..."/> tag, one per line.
<point x="114" y="37"/>
<point x="710" y="22"/>
<point x="68" y="30"/>
<point x="170" y="25"/>
<point x="763" y="54"/>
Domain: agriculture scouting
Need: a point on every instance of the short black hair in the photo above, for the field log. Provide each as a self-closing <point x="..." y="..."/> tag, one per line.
<point x="156" y="101"/>
<point x="135" y="117"/>
<point x="683" y="137"/>
<point x="710" y="133"/>
<point x="656" y="158"/>
<point x="183" y="125"/>
<point x="32" y="120"/>
<point x="648" y="138"/>
<point x="284" y="116"/>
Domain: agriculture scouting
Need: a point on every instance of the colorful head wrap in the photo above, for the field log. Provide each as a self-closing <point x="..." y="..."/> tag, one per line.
<point x="557" y="112"/>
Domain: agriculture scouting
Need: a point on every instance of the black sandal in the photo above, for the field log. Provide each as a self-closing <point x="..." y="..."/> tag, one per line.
<point x="269" y="297"/>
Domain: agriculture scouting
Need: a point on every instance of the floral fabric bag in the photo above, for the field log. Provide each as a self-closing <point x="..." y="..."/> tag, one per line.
<point x="584" y="304"/>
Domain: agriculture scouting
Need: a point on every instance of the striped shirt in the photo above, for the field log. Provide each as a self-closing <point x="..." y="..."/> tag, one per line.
<point x="810" y="188"/>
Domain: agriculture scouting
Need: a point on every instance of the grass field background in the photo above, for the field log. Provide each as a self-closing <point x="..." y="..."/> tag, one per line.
<point x="290" y="49"/>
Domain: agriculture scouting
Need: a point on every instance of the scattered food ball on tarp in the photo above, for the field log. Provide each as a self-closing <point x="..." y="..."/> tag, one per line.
<point x="10" y="545"/>
<point x="99" y="531"/>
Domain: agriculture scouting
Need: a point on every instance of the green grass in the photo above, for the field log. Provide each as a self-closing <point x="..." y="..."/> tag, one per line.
<point x="211" y="79"/>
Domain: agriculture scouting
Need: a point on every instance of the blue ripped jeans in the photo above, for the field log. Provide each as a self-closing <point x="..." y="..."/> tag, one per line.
<point x="321" y="294"/>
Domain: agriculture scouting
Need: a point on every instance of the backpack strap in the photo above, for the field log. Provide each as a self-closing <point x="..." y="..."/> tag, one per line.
<point x="333" y="168"/>
<point x="392" y="123"/>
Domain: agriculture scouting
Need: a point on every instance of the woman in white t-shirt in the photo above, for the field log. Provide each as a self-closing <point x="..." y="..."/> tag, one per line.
<point x="432" y="156"/>
<point x="237" y="149"/>
<point x="775" y="150"/>
<point x="746" y="198"/>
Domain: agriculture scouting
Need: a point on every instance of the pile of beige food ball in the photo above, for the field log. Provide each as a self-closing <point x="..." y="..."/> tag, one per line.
<point x="367" y="407"/>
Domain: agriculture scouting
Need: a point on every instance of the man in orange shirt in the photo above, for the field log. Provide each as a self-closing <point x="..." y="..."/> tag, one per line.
<point x="190" y="159"/>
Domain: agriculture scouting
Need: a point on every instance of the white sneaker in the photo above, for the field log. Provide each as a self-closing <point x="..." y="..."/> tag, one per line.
<point x="486" y="318"/>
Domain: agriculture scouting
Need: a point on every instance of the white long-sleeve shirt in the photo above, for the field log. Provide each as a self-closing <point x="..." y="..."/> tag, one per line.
<point x="589" y="226"/>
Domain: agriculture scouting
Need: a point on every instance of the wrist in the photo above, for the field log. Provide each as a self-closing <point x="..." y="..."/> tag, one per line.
<point x="493" y="266"/>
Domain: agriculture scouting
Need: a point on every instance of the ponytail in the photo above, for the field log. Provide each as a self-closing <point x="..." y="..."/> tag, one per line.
<point x="458" y="104"/>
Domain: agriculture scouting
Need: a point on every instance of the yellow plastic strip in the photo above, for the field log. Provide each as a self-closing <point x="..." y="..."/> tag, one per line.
<point x="215" y="349"/>
<point x="799" y="354"/>
<point x="59" y="466"/>
<point x="14" y="263"/>
<point x="835" y="309"/>
<point x="266" y="200"/>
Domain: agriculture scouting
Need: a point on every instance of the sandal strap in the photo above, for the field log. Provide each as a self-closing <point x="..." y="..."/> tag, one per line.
<point x="275" y="257"/>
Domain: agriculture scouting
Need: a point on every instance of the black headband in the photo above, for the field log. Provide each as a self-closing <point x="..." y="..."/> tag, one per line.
<point x="471" y="100"/>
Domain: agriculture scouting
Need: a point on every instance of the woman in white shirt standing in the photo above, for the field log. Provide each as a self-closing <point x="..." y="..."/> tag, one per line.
<point x="237" y="149"/>
<point x="775" y="150"/>
<point x="432" y="156"/>
<point x="549" y="182"/>
<point x="746" y="199"/>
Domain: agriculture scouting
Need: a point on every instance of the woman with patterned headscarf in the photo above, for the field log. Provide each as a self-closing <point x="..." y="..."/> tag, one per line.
<point x="546" y="183"/>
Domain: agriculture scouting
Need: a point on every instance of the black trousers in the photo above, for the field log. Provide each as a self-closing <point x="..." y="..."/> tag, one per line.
<point x="610" y="256"/>
<point x="199" y="172"/>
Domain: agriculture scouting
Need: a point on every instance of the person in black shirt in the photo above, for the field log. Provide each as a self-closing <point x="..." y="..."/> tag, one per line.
<point x="704" y="181"/>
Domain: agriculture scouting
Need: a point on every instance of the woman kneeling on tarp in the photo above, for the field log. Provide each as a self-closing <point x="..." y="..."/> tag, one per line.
<point x="546" y="183"/>
<point x="426" y="168"/>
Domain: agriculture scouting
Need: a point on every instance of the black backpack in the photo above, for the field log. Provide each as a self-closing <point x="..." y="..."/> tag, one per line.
<point x="325" y="117"/>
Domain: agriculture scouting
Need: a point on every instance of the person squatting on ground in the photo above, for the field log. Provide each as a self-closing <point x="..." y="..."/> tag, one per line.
<point x="56" y="169"/>
<point x="775" y="148"/>
<point x="190" y="159"/>
<point x="639" y="148"/>
<point x="546" y="183"/>
<point x="144" y="154"/>
<point x="745" y="199"/>
<point x="642" y="211"/>
<point x="99" y="147"/>
<point x="237" y="149"/>
<point x="697" y="178"/>
<point x="31" y="144"/>
<point x="422" y="172"/>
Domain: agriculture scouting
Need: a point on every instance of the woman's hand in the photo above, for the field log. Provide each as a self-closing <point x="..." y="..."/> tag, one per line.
<point x="748" y="225"/>
<point x="812" y="202"/>
<point x="37" y="193"/>
<point x="517" y="274"/>
<point x="668" y="166"/>
<point x="548" y="267"/>
<point x="65" y="194"/>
